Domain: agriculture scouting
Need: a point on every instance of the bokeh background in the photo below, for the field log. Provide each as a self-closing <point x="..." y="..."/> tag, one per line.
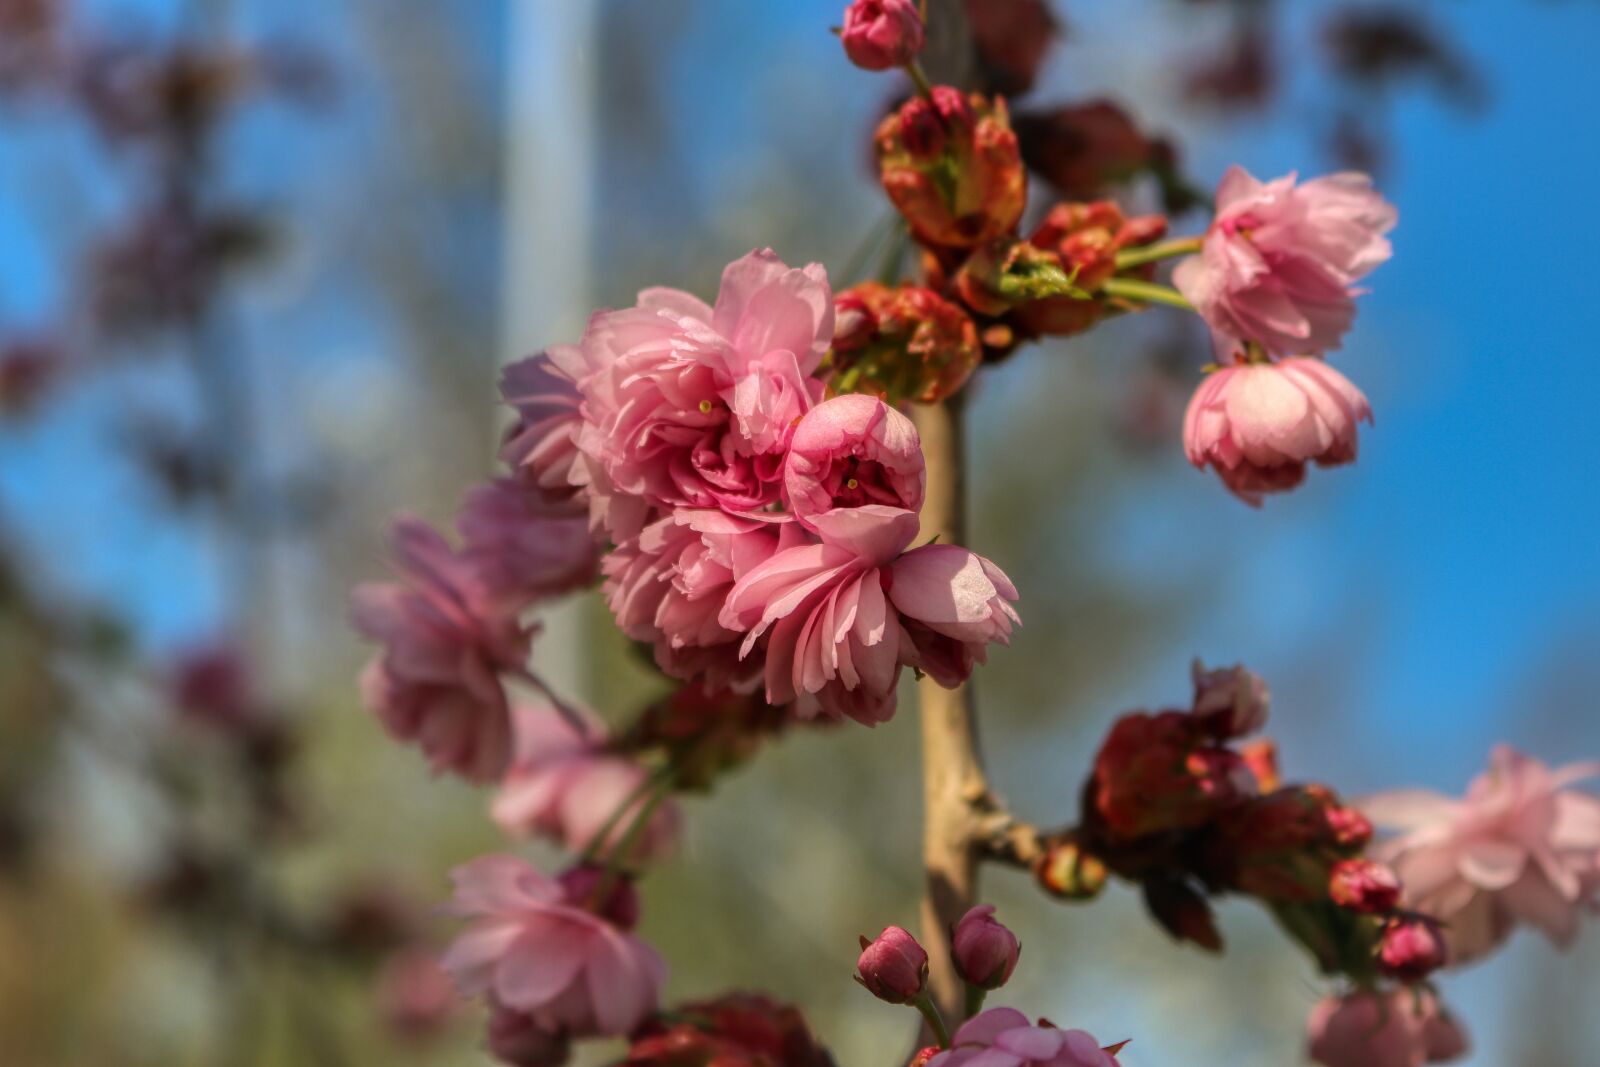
<point x="260" y="260"/>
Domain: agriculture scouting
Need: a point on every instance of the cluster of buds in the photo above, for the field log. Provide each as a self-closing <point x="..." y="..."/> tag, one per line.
<point x="901" y="343"/>
<point x="1051" y="283"/>
<point x="1179" y="803"/>
<point x="950" y="163"/>
<point x="735" y="1030"/>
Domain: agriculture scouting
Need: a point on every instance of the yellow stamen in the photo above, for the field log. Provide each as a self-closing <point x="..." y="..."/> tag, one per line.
<point x="852" y="484"/>
<point x="705" y="407"/>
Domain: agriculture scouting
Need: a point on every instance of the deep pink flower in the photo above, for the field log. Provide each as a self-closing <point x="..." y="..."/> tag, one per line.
<point x="447" y="640"/>
<point x="541" y="446"/>
<point x="1521" y="847"/>
<point x="690" y="406"/>
<point x="843" y="616"/>
<point x="1003" y="1037"/>
<point x="853" y="450"/>
<point x="881" y="34"/>
<point x="525" y="548"/>
<point x="537" y="951"/>
<point x="1280" y="260"/>
<point x="985" y="950"/>
<point x="1259" y="424"/>
<point x="1400" y="1028"/>
<point x="565" y="785"/>
<point x="668" y="585"/>
<point x="893" y="966"/>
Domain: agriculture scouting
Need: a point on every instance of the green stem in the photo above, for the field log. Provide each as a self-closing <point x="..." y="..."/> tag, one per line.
<point x="617" y="858"/>
<point x="1145" y="292"/>
<point x="975" y="997"/>
<point x="930" y="1011"/>
<point x="919" y="78"/>
<point x="1180" y="246"/>
<point x="597" y="842"/>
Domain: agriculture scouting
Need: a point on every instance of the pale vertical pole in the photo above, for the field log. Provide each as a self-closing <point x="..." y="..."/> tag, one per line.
<point x="551" y="117"/>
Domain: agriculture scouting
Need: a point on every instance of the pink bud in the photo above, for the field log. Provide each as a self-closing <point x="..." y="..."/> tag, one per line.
<point x="894" y="968"/>
<point x="854" y="322"/>
<point x="1350" y="828"/>
<point x="1232" y="702"/>
<point x="880" y="34"/>
<point x="1412" y="949"/>
<point x="1363" y="886"/>
<point x="516" y="1040"/>
<point x="955" y="109"/>
<point x="921" y="129"/>
<point x="621" y="904"/>
<point x="985" y="950"/>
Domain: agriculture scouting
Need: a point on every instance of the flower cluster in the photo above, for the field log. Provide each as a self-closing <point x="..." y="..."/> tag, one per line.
<point x="1275" y="279"/>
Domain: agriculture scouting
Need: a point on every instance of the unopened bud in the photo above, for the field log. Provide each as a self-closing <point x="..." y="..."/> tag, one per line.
<point x="1232" y="701"/>
<point x="1068" y="872"/>
<point x="1411" y="949"/>
<point x="1364" y="886"/>
<point x="894" y="967"/>
<point x="955" y="109"/>
<point x="921" y="129"/>
<point x="854" y="322"/>
<point x="985" y="950"/>
<point x="1350" y="828"/>
<point x="882" y="34"/>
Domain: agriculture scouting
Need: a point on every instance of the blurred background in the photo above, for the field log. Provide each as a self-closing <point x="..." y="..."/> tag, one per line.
<point x="261" y="259"/>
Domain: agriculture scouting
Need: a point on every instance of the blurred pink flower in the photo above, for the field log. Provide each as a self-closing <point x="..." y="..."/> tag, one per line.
<point x="1521" y="847"/>
<point x="536" y="950"/>
<point x="566" y="785"/>
<point x="1259" y="424"/>
<point x="211" y="685"/>
<point x="541" y="446"/>
<point x="437" y="681"/>
<point x="853" y="450"/>
<point x="1003" y="1037"/>
<point x="881" y="34"/>
<point x="1280" y="260"/>
<point x="515" y="1039"/>
<point x="525" y="548"/>
<point x="690" y="406"/>
<point x="843" y="616"/>
<point x="415" y="997"/>
<point x="1404" y="1027"/>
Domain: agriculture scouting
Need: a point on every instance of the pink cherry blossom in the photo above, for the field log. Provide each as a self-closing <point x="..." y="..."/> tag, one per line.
<point x="1404" y="1027"/>
<point x="525" y="548"/>
<point x="1280" y="260"/>
<point x="566" y="785"/>
<point x="1003" y="1037"/>
<point x="667" y="587"/>
<point x="1521" y="847"/>
<point x="880" y="34"/>
<point x="690" y="406"/>
<point x="537" y="950"/>
<point x="853" y="450"/>
<point x="542" y="445"/>
<point x="447" y="640"/>
<point x="1259" y="424"/>
<point x="842" y="616"/>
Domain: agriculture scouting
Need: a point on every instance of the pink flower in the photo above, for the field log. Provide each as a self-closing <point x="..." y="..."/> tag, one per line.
<point x="447" y="640"/>
<point x="525" y="548"/>
<point x="668" y="585"/>
<point x="893" y="966"/>
<point x="850" y="451"/>
<point x="1401" y="1028"/>
<point x="1259" y="424"/>
<point x="985" y="950"/>
<point x="1280" y="260"/>
<point x="567" y="786"/>
<point x="843" y="616"/>
<point x="541" y="446"/>
<point x="1003" y="1037"/>
<point x="1521" y="847"/>
<point x="536" y="949"/>
<point x="690" y="406"/>
<point x="881" y="34"/>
